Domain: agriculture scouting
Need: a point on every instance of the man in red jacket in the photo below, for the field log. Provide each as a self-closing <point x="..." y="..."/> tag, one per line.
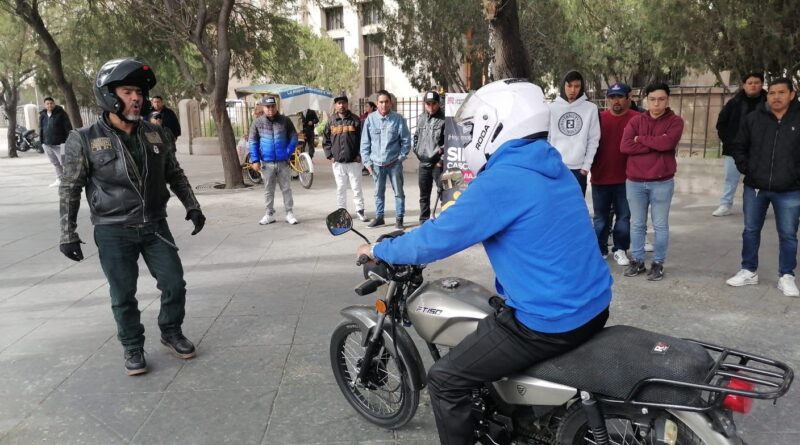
<point x="608" y="175"/>
<point x="650" y="140"/>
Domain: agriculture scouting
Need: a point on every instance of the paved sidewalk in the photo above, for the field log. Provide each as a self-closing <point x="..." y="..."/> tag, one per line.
<point x="261" y="304"/>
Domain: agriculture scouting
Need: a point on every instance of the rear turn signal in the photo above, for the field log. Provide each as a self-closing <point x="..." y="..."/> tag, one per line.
<point x="737" y="403"/>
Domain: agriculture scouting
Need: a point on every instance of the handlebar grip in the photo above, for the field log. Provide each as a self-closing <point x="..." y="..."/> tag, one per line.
<point x="362" y="259"/>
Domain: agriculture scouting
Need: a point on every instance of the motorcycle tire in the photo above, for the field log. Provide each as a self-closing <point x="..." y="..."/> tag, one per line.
<point x="38" y="147"/>
<point x="574" y="429"/>
<point x="252" y="175"/>
<point x="22" y="147"/>
<point x="389" y="399"/>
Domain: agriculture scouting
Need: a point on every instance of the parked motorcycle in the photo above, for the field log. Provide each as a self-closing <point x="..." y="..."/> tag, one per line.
<point x="27" y="139"/>
<point x="624" y="386"/>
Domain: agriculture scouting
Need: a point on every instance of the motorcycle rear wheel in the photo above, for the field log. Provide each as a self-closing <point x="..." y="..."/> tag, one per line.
<point x="251" y="174"/>
<point x="388" y="400"/>
<point x="621" y="428"/>
<point x="306" y="174"/>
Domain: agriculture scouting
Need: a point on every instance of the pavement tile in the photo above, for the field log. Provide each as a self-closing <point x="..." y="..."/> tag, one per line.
<point x="230" y="416"/>
<point x="250" y="330"/>
<point x="309" y="365"/>
<point x="232" y="368"/>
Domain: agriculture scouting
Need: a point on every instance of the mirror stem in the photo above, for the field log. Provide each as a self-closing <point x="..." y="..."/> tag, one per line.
<point x="362" y="236"/>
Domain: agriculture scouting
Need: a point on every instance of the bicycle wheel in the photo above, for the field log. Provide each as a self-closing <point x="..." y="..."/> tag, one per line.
<point x="306" y="170"/>
<point x="254" y="176"/>
<point x="388" y="399"/>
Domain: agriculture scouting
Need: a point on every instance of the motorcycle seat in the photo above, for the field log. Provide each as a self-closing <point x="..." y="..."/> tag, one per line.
<point x="612" y="362"/>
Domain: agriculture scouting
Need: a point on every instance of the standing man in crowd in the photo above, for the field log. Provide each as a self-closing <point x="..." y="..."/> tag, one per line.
<point x="767" y="153"/>
<point x="608" y="175"/>
<point x="385" y="144"/>
<point x="341" y="140"/>
<point x="731" y="118"/>
<point x="54" y="126"/>
<point x="575" y="127"/>
<point x="310" y="121"/>
<point x="429" y="147"/>
<point x="650" y="140"/>
<point x="168" y="117"/>
<point x="272" y="141"/>
<point x="125" y="165"/>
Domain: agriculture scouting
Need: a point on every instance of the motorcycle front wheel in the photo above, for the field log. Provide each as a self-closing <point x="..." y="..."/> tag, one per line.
<point x="625" y="426"/>
<point x="387" y="399"/>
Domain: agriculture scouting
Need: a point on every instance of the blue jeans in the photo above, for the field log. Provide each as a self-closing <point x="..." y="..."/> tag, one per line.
<point x="786" y="206"/>
<point x="394" y="173"/>
<point x="603" y="196"/>
<point x="657" y="195"/>
<point x="732" y="177"/>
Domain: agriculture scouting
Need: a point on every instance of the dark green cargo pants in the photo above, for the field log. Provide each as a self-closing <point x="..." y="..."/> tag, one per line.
<point x="119" y="247"/>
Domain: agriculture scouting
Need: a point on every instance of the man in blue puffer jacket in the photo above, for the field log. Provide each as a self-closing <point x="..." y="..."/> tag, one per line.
<point x="272" y="141"/>
<point x="528" y="211"/>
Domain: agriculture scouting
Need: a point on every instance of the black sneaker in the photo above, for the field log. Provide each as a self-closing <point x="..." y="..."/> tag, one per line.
<point x="656" y="271"/>
<point x="399" y="223"/>
<point x="135" y="363"/>
<point x="179" y="345"/>
<point x="635" y="268"/>
<point x="377" y="222"/>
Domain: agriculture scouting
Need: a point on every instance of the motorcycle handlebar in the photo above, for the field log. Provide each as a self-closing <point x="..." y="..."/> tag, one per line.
<point x="362" y="259"/>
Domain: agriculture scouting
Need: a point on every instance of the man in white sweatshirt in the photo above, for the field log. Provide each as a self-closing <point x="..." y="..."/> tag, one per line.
<point x="575" y="127"/>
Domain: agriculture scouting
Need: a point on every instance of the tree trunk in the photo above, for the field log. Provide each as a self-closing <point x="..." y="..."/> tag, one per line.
<point x="227" y="141"/>
<point x="510" y="57"/>
<point x="9" y="102"/>
<point x="30" y="14"/>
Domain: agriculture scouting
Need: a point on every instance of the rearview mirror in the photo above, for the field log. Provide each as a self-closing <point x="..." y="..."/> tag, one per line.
<point x="339" y="222"/>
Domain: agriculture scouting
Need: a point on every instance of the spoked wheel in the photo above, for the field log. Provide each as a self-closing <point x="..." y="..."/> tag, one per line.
<point x="387" y="399"/>
<point x="624" y="426"/>
<point x="306" y="170"/>
<point x="252" y="175"/>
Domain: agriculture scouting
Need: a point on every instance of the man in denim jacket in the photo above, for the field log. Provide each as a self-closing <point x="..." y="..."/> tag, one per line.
<point x="385" y="144"/>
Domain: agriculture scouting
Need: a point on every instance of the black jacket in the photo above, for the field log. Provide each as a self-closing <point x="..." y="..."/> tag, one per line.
<point x="117" y="191"/>
<point x="429" y="138"/>
<point x="767" y="151"/>
<point x="53" y="129"/>
<point x="341" y="138"/>
<point x="731" y="118"/>
<point x="170" y="120"/>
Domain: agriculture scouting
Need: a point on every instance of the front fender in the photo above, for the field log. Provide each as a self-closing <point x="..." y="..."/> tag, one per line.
<point x="402" y="347"/>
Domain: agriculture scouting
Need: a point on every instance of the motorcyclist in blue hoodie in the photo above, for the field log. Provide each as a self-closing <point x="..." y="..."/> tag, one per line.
<point x="527" y="209"/>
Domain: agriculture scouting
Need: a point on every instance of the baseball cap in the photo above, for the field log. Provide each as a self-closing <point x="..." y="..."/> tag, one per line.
<point x="618" y="89"/>
<point x="339" y="98"/>
<point x="431" y="96"/>
<point x="269" y="100"/>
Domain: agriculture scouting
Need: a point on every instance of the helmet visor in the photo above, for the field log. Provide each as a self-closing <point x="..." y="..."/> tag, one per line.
<point x="474" y="112"/>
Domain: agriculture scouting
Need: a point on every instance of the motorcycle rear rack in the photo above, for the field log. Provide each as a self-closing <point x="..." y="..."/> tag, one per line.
<point x="772" y="379"/>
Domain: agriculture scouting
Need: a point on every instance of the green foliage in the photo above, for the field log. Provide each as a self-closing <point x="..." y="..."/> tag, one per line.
<point x="16" y="57"/>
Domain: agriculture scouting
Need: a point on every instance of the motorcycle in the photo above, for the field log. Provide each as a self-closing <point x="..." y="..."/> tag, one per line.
<point x="27" y="139"/>
<point x="624" y="386"/>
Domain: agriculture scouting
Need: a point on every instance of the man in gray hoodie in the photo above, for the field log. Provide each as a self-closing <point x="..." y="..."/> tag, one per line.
<point x="575" y="127"/>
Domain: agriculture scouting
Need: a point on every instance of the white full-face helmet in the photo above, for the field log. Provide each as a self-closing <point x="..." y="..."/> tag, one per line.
<point x="498" y="112"/>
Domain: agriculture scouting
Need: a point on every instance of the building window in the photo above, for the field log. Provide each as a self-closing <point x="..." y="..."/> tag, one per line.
<point x="339" y="43"/>
<point x="370" y="13"/>
<point x="333" y="18"/>
<point x="373" y="63"/>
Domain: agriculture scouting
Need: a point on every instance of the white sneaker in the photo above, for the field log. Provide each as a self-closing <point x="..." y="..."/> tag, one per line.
<point x="56" y="183"/>
<point x="648" y="247"/>
<point x="621" y="258"/>
<point x="787" y="286"/>
<point x="745" y="277"/>
<point x="267" y="219"/>
<point x="721" y="211"/>
<point x="361" y="216"/>
<point x="290" y="218"/>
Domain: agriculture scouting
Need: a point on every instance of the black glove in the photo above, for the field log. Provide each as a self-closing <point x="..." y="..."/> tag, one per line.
<point x="72" y="250"/>
<point x="197" y="219"/>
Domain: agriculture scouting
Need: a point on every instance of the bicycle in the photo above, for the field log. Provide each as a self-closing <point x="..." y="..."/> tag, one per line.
<point x="299" y="162"/>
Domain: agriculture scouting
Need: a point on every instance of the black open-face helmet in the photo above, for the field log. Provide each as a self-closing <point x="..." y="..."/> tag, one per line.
<point x="128" y="71"/>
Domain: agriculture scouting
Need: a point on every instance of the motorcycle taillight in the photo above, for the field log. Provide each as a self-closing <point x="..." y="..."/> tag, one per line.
<point x="740" y="404"/>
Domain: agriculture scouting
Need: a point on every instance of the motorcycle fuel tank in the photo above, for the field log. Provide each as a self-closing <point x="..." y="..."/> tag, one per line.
<point x="446" y="310"/>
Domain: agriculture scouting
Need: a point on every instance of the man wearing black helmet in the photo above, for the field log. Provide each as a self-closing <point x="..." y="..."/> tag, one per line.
<point x="125" y="165"/>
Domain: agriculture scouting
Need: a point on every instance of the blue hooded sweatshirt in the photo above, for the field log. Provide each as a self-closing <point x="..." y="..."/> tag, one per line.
<point x="527" y="209"/>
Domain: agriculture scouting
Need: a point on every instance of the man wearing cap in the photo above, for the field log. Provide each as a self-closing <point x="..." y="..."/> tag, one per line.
<point x="574" y="127"/>
<point x="168" y="117"/>
<point x="341" y="140"/>
<point x="385" y="144"/>
<point x="272" y="141"/>
<point x="608" y="175"/>
<point x="125" y="165"/>
<point x="429" y="147"/>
